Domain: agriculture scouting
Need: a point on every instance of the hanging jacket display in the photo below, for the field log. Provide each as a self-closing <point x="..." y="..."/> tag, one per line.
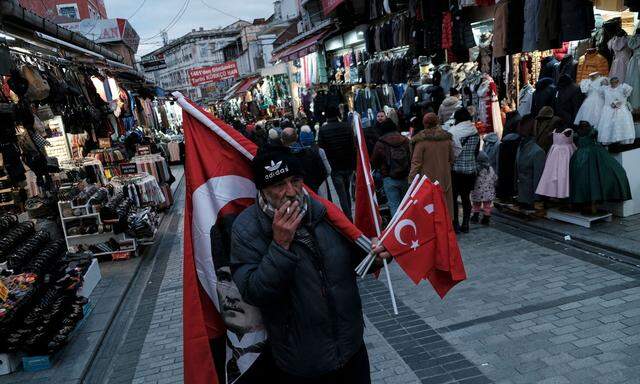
<point x="577" y="19"/>
<point x="633" y="71"/>
<point x="548" y="25"/>
<point x="508" y="27"/>
<point x="621" y="57"/>
<point x="530" y="26"/>
<point x="530" y="162"/>
<point x="591" y="62"/>
<point x="568" y="99"/>
<point x="543" y="96"/>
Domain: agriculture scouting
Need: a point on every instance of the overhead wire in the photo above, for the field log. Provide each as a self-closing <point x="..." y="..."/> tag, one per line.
<point x="173" y="21"/>
<point x="219" y="10"/>
<point x="137" y="10"/>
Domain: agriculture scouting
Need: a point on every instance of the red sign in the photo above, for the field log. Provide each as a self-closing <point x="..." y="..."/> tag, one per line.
<point x="330" y="5"/>
<point x="214" y="73"/>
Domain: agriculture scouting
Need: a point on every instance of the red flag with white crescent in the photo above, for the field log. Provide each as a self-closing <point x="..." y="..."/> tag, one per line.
<point x="423" y="242"/>
<point x="367" y="213"/>
<point x="219" y="182"/>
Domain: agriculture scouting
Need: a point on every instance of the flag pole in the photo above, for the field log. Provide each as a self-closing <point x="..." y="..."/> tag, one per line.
<point x="398" y="214"/>
<point x="374" y="212"/>
<point x="362" y="242"/>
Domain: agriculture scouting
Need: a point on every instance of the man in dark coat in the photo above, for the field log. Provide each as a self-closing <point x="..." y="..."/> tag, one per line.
<point x="337" y="140"/>
<point x="290" y="262"/>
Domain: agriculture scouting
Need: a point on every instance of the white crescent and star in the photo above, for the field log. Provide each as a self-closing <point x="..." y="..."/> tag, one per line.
<point x="406" y="223"/>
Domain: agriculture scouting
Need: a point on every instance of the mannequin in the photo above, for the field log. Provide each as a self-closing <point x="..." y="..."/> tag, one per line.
<point x="594" y="175"/>
<point x="530" y="163"/>
<point x="616" y="122"/>
<point x="591" y="108"/>
<point x="508" y="149"/>
<point x="555" y="177"/>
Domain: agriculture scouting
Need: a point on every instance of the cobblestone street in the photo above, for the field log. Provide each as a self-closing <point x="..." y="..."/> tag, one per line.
<point x="533" y="310"/>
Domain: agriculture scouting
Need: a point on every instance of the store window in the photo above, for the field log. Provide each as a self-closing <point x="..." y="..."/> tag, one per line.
<point x="94" y="14"/>
<point x="69" y="10"/>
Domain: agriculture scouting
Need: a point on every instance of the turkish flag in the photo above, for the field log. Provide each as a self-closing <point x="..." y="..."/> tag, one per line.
<point x="367" y="214"/>
<point x="423" y="242"/>
<point x="219" y="181"/>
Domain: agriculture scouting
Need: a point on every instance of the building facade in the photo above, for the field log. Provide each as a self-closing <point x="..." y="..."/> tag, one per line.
<point x="169" y="66"/>
<point x="71" y="9"/>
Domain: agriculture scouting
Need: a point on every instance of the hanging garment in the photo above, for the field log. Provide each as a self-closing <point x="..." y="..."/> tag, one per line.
<point x="530" y="165"/>
<point x="548" y="25"/>
<point x="621" y="58"/>
<point x="507" y="153"/>
<point x="633" y="71"/>
<point x="591" y="62"/>
<point x="595" y="176"/>
<point x="545" y="124"/>
<point x="568" y="99"/>
<point x="530" y="35"/>
<point x="591" y="108"/>
<point x="525" y="99"/>
<point x="543" y="96"/>
<point x="616" y="121"/>
<point x="577" y="20"/>
<point x="555" y="177"/>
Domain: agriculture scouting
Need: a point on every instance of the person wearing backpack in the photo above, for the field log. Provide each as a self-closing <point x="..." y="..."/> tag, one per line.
<point x="392" y="157"/>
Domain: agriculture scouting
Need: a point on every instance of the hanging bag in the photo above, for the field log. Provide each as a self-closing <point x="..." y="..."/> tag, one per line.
<point x="38" y="87"/>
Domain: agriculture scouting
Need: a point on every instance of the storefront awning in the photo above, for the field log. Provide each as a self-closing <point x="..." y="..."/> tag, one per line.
<point x="241" y="86"/>
<point x="303" y="48"/>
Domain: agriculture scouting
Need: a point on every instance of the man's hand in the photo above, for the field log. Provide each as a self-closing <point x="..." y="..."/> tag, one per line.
<point x="285" y="223"/>
<point x="380" y="251"/>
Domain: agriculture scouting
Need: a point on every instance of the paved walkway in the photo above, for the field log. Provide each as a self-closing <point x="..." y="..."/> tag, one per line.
<point x="533" y="310"/>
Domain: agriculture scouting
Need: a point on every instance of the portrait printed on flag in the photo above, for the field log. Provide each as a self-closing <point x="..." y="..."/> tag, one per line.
<point x="245" y="331"/>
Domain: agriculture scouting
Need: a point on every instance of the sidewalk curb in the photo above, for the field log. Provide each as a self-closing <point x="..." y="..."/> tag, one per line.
<point x="576" y="239"/>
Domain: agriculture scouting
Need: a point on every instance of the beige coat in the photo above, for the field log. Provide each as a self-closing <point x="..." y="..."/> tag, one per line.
<point x="433" y="156"/>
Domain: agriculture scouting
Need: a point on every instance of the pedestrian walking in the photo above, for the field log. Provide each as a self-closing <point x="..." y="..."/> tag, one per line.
<point x="337" y="140"/>
<point x="287" y="260"/>
<point x="465" y="167"/>
<point x="432" y="156"/>
<point x="392" y="157"/>
<point x="308" y="156"/>
<point x="484" y="191"/>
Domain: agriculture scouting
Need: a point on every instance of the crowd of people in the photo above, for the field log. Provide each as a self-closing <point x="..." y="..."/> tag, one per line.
<point x="439" y="140"/>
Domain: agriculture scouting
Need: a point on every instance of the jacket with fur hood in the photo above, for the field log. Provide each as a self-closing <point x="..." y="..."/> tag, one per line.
<point x="448" y="108"/>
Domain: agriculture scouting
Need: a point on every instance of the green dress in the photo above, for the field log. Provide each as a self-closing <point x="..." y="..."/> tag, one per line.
<point x="595" y="176"/>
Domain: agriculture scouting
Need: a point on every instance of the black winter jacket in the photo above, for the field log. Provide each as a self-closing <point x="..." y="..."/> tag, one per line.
<point x="336" y="138"/>
<point x="308" y="295"/>
<point x="568" y="99"/>
<point x="543" y="96"/>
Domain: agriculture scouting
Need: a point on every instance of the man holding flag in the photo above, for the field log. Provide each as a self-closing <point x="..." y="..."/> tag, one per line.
<point x="290" y="262"/>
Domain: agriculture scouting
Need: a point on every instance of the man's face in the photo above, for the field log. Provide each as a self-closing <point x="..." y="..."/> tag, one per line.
<point x="381" y="117"/>
<point x="289" y="189"/>
<point x="237" y="315"/>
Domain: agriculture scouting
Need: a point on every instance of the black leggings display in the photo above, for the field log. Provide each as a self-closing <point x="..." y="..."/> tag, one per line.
<point x="463" y="184"/>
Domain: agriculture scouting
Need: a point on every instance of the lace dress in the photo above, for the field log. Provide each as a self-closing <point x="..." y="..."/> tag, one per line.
<point x="616" y="121"/>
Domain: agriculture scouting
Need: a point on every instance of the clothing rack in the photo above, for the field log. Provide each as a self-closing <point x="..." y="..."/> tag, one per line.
<point x="154" y="165"/>
<point x="142" y="188"/>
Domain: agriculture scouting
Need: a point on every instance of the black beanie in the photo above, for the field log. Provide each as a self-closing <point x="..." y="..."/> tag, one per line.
<point x="273" y="164"/>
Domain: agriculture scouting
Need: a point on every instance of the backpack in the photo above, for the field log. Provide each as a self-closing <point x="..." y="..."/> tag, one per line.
<point x="398" y="160"/>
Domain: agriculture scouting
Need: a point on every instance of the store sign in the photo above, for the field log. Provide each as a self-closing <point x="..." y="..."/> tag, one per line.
<point x="330" y="5"/>
<point x="106" y="31"/>
<point x="144" y="150"/>
<point x="129" y="168"/>
<point x="214" y="73"/>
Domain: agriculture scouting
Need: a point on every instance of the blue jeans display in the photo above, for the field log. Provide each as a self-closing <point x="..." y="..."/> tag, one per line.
<point x="395" y="190"/>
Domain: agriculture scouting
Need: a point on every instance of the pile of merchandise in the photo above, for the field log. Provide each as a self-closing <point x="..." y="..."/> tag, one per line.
<point x="42" y="279"/>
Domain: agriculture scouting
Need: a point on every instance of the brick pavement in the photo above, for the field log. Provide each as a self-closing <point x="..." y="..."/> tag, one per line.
<point x="532" y="311"/>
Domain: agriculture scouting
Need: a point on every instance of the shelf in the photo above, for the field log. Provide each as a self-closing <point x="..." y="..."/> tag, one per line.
<point x="81" y="216"/>
<point x="89" y="234"/>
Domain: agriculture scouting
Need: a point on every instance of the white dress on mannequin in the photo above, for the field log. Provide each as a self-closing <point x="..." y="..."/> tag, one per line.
<point x="591" y="108"/>
<point x="616" y="121"/>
